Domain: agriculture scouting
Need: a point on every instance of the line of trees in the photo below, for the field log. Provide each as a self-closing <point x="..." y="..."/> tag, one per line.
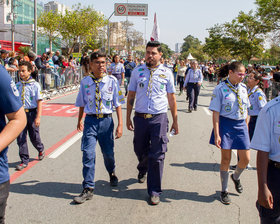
<point x="243" y="38"/>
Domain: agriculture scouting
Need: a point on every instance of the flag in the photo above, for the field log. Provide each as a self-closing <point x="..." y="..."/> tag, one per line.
<point x="155" y="32"/>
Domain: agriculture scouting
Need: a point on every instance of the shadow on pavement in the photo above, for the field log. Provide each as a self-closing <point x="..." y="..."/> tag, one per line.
<point x="103" y="188"/>
<point x="13" y="165"/>
<point x="199" y="166"/>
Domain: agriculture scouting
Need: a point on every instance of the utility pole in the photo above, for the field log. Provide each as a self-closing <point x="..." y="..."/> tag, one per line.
<point x="35" y="26"/>
<point x="12" y="25"/>
<point x="145" y="19"/>
<point x="108" y="33"/>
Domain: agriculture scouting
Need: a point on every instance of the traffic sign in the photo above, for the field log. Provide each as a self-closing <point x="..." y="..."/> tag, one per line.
<point x="129" y="9"/>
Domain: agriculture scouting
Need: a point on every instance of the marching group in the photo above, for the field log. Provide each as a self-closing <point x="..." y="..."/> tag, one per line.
<point x="242" y="119"/>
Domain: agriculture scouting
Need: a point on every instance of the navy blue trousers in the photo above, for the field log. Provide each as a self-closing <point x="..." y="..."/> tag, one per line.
<point x="34" y="136"/>
<point x="4" y="193"/>
<point x="150" y="145"/>
<point x="269" y="216"/>
<point x="193" y="92"/>
<point x="100" y="130"/>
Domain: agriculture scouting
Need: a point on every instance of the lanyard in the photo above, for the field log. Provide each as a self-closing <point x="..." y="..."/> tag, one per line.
<point x="238" y="97"/>
<point x="30" y="80"/>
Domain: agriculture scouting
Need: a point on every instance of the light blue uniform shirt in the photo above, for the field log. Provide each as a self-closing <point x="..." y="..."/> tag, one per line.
<point x="163" y="83"/>
<point x="267" y="132"/>
<point x="224" y="101"/>
<point x="193" y="76"/>
<point x="257" y="100"/>
<point x="111" y="95"/>
<point x="32" y="94"/>
<point x="116" y="69"/>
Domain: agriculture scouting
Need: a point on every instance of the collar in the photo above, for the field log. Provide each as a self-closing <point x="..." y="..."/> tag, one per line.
<point x="104" y="78"/>
<point x="253" y="90"/>
<point x="233" y="86"/>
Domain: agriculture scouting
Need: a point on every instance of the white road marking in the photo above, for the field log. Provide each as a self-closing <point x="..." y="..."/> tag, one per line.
<point x="65" y="146"/>
<point x="207" y="111"/>
<point x="235" y="152"/>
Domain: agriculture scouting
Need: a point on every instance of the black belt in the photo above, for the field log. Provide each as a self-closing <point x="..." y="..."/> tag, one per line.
<point x="100" y="115"/>
<point x="30" y="110"/>
<point x="146" y="116"/>
<point x="275" y="164"/>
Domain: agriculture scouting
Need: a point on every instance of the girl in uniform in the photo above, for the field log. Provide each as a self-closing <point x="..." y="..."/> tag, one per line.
<point x="117" y="69"/>
<point x="229" y="104"/>
<point x="257" y="99"/>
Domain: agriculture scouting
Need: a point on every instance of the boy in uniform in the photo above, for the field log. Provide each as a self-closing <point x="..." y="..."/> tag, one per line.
<point x="98" y="94"/>
<point x="31" y="97"/>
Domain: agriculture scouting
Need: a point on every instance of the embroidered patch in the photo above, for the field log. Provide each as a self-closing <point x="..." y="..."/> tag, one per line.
<point x="14" y="88"/>
<point x="121" y="100"/>
<point x="107" y="103"/>
<point x="213" y="96"/>
<point x="161" y="86"/>
<point x="142" y="75"/>
<point x="227" y="108"/>
<point x="162" y="76"/>
<point x="141" y="69"/>
<point x="260" y="98"/>
<point x="141" y="85"/>
<point x="86" y="86"/>
<point x="120" y="93"/>
<point x="88" y="92"/>
<point x="226" y="90"/>
<point x="110" y="89"/>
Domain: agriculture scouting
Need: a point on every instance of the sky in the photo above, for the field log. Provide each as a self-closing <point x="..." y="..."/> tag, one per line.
<point x="176" y="18"/>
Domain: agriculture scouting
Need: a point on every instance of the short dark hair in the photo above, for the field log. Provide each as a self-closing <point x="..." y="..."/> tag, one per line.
<point x="96" y="55"/>
<point x="154" y="44"/>
<point x="27" y="64"/>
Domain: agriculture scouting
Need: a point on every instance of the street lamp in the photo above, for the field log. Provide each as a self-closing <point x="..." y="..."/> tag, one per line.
<point x="145" y="19"/>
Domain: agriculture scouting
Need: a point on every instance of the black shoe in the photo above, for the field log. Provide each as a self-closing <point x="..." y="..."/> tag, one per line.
<point x="21" y="166"/>
<point x="195" y="109"/>
<point x="141" y="178"/>
<point x="238" y="186"/>
<point x="225" y="199"/>
<point x="154" y="200"/>
<point x="113" y="180"/>
<point x="189" y="110"/>
<point x="41" y="155"/>
<point x="86" y="194"/>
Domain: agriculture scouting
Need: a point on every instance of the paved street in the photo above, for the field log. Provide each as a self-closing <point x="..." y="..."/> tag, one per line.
<point x="191" y="183"/>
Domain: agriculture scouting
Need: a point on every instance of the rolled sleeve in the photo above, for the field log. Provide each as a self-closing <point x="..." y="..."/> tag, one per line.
<point x="261" y="138"/>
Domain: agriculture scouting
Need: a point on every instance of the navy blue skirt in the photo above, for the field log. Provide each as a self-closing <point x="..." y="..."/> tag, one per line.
<point x="234" y="134"/>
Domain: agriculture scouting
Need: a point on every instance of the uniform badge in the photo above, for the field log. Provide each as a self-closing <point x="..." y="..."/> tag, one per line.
<point x="227" y="108"/>
<point x="278" y="124"/>
<point x="120" y="93"/>
<point x="260" y="98"/>
<point x="107" y="103"/>
<point x="110" y="89"/>
<point x="213" y="96"/>
<point x="226" y="90"/>
<point x="141" y="85"/>
<point x="86" y="86"/>
<point x="227" y="97"/>
<point x="162" y="76"/>
<point x="161" y="86"/>
<point x="141" y="69"/>
<point x="31" y="98"/>
<point x="121" y="100"/>
<point x="88" y="92"/>
<point x="251" y="107"/>
<point x="14" y="88"/>
<point x="141" y="75"/>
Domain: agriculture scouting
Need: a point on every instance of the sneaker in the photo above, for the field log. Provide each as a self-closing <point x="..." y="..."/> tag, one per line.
<point x="225" y="199"/>
<point x="141" y="178"/>
<point x="154" y="200"/>
<point x="113" y="180"/>
<point x="41" y="155"/>
<point x="86" y="194"/>
<point x="238" y="186"/>
<point x="21" y="166"/>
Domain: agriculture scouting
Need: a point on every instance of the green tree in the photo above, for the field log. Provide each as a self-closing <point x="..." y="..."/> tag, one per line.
<point x="49" y="23"/>
<point x="166" y="51"/>
<point x="79" y="25"/>
<point x="269" y="11"/>
<point x="190" y="42"/>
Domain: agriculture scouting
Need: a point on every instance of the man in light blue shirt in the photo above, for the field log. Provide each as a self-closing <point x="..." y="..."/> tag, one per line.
<point x="193" y="83"/>
<point x="153" y="86"/>
<point x="266" y="141"/>
<point x="98" y="94"/>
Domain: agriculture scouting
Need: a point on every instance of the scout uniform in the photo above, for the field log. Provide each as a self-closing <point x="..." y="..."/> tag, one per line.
<point x="191" y="82"/>
<point x="232" y="103"/>
<point x="30" y="92"/>
<point x="150" y="121"/>
<point x="258" y="101"/>
<point x="117" y="70"/>
<point x="267" y="139"/>
<point x="9" y="103"/>
<point x="98" y="96"/>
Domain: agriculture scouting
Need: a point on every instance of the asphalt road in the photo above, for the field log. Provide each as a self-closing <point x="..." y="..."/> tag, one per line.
<point x="43" y="193"/>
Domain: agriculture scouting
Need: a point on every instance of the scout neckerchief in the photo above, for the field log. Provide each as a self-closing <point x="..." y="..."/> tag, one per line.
<point x="98" y="101"/>
<point x="237" y="95"/>
<point x="150" y="86"/>
<point x="30" y="80"/>
<point x="252" y="92"/>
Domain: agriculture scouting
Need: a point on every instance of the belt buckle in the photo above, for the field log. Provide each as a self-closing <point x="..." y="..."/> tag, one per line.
<point x="100" y="115"/>
<point x="147" y="116"/>
<point x="26" y="110"/>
